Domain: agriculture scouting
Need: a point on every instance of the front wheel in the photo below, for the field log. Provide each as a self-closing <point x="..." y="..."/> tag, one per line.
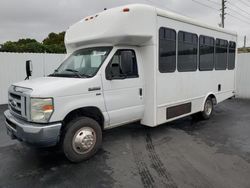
<point x="208" y="109"/>
<point x="82" y="139"/>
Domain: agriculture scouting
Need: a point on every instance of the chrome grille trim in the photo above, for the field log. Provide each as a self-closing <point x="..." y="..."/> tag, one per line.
<point x="18" y="103"/>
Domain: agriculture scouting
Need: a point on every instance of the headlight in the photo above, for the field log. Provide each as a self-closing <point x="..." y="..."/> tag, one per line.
<point x="41" y="109"/>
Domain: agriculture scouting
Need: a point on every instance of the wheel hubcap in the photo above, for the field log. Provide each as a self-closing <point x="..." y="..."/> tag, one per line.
<point x="84" y="140"/>
<point x="208" y="107"/>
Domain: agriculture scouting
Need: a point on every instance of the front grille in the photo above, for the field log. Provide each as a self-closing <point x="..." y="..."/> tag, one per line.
<point x="18" y="97"/>
<point x="17" y="104"/>
<point x="17" y="111"/>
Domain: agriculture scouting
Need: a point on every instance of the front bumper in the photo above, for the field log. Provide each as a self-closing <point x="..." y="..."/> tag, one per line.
<point x="44" y="135"/>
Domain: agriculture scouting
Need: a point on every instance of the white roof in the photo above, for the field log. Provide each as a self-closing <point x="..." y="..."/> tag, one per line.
<point x="189" y="20"/>
<point x="114" y="26"/>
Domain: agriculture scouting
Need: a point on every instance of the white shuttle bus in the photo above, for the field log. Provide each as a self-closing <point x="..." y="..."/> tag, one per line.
<point x="126" y="64"/>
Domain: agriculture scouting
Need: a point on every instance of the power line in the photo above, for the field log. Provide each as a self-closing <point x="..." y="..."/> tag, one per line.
<point x="223" y="18"/>
<point x="236" y="6"/>
<point x="222" y="10"/>
<point x="229" y="14"/>
<point x="239" y="13"/>
<point x="223" y="7"/>
<point x="214" y="2"/>
<point x="243" y="2"/>
<point x="203" y="4"/>
<point x="211" y="7"/>
<point x="159" y="4"/>
<point x="235" y="17"/>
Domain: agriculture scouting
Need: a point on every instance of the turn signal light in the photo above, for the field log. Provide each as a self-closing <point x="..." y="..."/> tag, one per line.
<point x="48" y="108"/>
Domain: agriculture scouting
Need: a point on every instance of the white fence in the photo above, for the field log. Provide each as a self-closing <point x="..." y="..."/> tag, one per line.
<point x="243" y="76"/>
<point x="12" y="68"/>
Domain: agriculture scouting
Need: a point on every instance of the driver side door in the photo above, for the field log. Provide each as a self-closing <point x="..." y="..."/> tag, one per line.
<point x="123" y="87"/>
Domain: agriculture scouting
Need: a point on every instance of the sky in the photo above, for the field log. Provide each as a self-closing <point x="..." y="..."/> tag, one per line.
<point x="37" y="18"/>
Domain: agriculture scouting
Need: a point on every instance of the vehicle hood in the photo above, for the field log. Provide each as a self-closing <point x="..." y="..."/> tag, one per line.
<point x="59" y="86"/>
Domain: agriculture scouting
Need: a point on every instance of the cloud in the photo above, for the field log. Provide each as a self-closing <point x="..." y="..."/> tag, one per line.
<point x="35" y="18"/>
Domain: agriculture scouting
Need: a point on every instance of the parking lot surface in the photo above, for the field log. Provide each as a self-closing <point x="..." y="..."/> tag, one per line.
<point x="183" y="153"/>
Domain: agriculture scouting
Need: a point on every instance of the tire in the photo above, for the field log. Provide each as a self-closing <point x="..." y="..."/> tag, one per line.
<point x="208" y="109"/>
<point x="79" y="129"/>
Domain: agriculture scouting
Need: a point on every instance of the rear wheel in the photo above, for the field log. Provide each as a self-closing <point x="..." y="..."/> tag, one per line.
<point x="82" y="139"/>
<point x="208" y="109"/>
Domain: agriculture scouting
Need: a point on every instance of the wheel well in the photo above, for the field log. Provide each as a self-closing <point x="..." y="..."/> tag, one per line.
<point x="212" y="96"/>
<point x="91" y="112"/>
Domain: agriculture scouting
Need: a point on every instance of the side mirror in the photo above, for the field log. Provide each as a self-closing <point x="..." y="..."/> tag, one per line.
<point x="29" y="69"/>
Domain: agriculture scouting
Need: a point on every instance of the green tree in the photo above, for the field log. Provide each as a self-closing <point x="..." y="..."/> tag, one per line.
<point x="8" y="47"/>
<point x="54" y="43"/>
<point x="23" y="45"/>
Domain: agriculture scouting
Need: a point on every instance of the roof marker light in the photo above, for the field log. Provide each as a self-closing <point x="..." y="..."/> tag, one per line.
<point x="126" y="10"/>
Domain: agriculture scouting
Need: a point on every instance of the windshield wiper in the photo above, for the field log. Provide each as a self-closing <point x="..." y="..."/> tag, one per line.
<point x="56" y="74"/>
<point x="75" y="72"/>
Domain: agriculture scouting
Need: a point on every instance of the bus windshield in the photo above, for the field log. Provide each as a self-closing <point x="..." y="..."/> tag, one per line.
<point x="83" y="63"/>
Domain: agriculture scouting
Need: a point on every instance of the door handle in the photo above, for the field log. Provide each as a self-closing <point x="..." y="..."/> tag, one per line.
<point x="140" y="91"/>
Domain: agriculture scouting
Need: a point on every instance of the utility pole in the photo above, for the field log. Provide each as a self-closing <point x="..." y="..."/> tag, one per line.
<point x="245" y="41"/>
<point x="223" y="7"/>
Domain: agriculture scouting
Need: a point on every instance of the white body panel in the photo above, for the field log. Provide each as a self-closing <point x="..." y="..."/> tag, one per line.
<point x="114" y="27"/>
<point x="194" y="87"/>
<point x="119" y="100"/>
<point x="68" y="93"/>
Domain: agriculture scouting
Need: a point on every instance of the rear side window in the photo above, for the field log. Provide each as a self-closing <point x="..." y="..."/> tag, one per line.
<point x="221" y="54"/>
<point x="231" y="55"/>
<point x="167" y="50"/>
<point x="187" y="51"/>
<point x="206" y="53"/>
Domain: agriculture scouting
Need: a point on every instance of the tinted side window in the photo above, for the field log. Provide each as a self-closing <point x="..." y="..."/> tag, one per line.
<point x="221" y="54"/>
<point x="187" y="51"/>
<point x="167" y="50"/>
<point x="206" y="53"/>
<point x="123" y="65"/>
<point x="231" y="55"/>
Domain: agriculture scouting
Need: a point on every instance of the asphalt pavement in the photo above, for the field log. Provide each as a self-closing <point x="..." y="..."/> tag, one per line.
<point x="183" y="153"/>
